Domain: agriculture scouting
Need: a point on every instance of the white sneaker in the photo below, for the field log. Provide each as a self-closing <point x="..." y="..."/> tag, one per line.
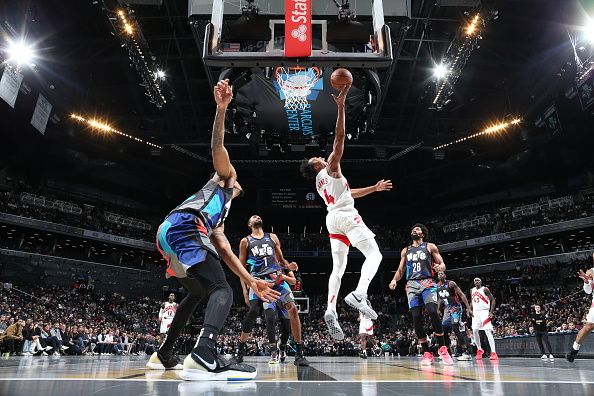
<point x="47" y="348"/>
<point x="331" y="319"/>
<point x="359" y="302"/>
<point x="551" y="358"/>
<point x="63" y="347"/>
<point x="464" y="357"/>
<point x="44" y="353"/>
<point x="544" y="357"/>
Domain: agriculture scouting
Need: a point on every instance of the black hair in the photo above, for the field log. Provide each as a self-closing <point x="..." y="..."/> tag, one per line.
<point x="307" y="170"/>
<point x="424" y="229"/>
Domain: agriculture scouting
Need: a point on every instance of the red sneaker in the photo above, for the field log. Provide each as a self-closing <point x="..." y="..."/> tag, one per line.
<point x="479" y="354"/>
<point x="493" y="356"/>
<point x="427" y="359"/>
<point x="445" y="356"/>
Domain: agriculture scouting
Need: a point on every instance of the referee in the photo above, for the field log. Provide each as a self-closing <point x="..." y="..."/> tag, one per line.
<point x="539" y="321"/>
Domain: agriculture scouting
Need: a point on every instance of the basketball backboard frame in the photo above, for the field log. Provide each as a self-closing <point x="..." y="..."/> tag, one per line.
<point x="381" y="55"/>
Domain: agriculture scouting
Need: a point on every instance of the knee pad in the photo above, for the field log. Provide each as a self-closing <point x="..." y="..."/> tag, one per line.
<point x="417" y="316"/>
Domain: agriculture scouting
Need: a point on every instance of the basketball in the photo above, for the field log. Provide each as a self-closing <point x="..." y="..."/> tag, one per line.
<point x="340" y="78"/>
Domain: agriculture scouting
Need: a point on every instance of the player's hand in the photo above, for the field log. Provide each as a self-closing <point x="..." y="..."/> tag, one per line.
<point x="585" y="276"/>
<point x="469" y="313"/>
<point x="293" y="266"/>
<point x="490" y="314"/>
<point x="246" y="298"/>
<point x="439" y="267"/>
<point x="392" y="285"/>
<point x="383" y="185"/>
<point x="342" y="95"/>
<point x="223" y="93"/>
<point x="263" y="290"/>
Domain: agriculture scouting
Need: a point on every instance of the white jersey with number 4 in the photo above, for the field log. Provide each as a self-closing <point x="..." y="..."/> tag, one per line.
<point x="480" y="301"/>
<point x="335" y="192"/>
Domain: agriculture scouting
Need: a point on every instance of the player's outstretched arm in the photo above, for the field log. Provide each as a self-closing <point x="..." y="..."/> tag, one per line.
<point x="438" y="264"/>
<point x="460" y="293"/>
<point x="260" y="287"/>
<point x="223" y="94"/>
<point x="340" y="133"/>
<point x="382" y="185"/>
<point x="400" y="271"/>
<point x="278" y="252"/>
<point x="290" y="278"/>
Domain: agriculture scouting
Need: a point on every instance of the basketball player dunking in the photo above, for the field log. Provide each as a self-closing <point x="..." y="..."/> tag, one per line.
<point x="420" y="259"/>
<point x="191" y="238"/>
<point x="262" y="254"/>
<point x="483" y="305"/>
<point x="344" y="223"/>
<point x="450" y="295"/>
<point x="166" y="314"/>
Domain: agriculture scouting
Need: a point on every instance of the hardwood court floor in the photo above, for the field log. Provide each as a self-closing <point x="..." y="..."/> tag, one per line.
<point x="111" y="375"/>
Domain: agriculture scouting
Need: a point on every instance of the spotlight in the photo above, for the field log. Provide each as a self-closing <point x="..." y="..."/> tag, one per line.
<point x="589" y="30"/>
<point x="440" y="71"/>
<point x="160" y="74"/>
<point x="20" y="53"/>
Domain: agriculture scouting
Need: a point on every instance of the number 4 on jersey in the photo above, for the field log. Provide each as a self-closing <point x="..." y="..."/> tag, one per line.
<point x="329" y="198"/>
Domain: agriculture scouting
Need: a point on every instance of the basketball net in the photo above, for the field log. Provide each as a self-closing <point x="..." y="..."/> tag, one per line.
<point x="296" y="83"/>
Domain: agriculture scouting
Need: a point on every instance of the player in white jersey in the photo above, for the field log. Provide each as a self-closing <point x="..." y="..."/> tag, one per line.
<point x="344" y="224"/>
<point x="365" y="330"/>
<point x="588" y="278"/>
<point x="483" y="304"/>
<point x="166" y="314"/>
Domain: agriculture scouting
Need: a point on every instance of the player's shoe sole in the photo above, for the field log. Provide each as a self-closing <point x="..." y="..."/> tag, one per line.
<point x="154" y="363"/>
<point x="359" y="302"/>
<point x="333" y="326"/>
<point x="193" y="371"/>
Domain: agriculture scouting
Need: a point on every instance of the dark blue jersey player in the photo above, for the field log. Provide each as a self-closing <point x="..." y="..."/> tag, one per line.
<point x="450" y="300"/>
<point x="418" y="261"/>
<point x="191" y="239"/>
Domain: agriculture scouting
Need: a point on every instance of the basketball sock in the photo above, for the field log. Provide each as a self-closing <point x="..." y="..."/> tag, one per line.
<point x="208" y="337"/>
<point x="339" y="262"/>
<point x="491" y="340"/>
<point x="424" y="346"/>
<point x="477" y="338"/>
<point x="441" y="340"/>
<point x="373" y="259"/>
<point x="576" y="346"/>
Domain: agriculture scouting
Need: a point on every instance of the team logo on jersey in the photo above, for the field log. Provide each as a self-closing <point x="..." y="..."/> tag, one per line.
<point x="262" y="251"/>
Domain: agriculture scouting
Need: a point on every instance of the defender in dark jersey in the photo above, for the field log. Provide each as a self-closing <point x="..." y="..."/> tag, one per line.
<point x="420" y="260"/>
<point x="191" y="238"/>
<point x="261" y="253"/>
<point x="450" y="295"/>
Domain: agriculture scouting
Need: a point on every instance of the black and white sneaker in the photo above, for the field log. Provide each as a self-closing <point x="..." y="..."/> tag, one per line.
<point x="359" y="302"/>
<point x="203" y="364"/>
<point x="331" y="319"/>
<point x="570" y="356"/>
<point x="282" y="353"/>
<point x="160" y="361"/>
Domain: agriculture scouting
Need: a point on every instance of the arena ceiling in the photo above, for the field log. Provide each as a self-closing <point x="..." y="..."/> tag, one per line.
<point x="523" y="65"/>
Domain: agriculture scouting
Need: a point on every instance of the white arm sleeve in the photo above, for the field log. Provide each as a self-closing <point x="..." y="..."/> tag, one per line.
<point x="588" y="287"/>
<point x="161" y="313"/>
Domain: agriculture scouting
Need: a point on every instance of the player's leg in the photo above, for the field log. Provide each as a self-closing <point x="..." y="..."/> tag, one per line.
<point x="247" y="325"/>
<point x="340" y="251"/>
<point x="290" y="310"/>
<point x="203" y="363"/>
<point x="545" y="338"/>
<point x="285" y="326"/>
<point x="364" y="240"/>
<point x="583" y="333"/>
<point x="431" y="309"/>
<point x="363" y="336"/>
<point x="538" y="337"/>
<point x="270" y="320"/>
<point x="463" y="342"/>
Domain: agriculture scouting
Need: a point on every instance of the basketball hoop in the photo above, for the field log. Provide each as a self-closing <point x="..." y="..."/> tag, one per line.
<point x="296" y="83"/>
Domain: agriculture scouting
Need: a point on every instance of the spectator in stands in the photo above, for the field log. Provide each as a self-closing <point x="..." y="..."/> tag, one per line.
<point x="48" y="340"/>
<point x="12" y="339"/>
<point x="3" y="324"/>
